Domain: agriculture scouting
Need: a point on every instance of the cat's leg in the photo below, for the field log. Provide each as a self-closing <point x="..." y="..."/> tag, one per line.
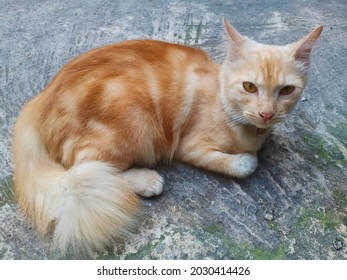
<point x="145" y="182"/>
<point x="236" y="165"/>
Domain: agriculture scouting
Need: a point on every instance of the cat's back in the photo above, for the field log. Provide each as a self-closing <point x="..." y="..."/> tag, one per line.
<point x="127" y="70"/>
<point x="141" y="66"/>
<point x="130" y="57"/>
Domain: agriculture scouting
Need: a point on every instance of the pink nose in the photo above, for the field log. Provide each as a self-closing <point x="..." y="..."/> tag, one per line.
<point x="266" y="115"/>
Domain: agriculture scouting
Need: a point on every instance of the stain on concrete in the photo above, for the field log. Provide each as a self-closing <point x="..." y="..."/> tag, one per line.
<point x="6" y="191"/>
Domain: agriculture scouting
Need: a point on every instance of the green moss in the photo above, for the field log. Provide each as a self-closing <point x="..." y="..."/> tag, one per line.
<point x="217" y="231"/>
<point x="109" y="255"/>
<point x="261" y="254"/>
<point x="244" y="250"/>
<point x="326" y="217"/>
<point x="273" y="225"/>
<point x="340" y="198"/>
<point x="304" y="218"/>
<point x="340" y="132"/>
<point x="344" y="220"/>
<point x="143" y="252"/>
<point x="6" y="192"/>
<point x="325" y="151"/>
<point x="214" y="229"/>
<point x="329" y="220"/>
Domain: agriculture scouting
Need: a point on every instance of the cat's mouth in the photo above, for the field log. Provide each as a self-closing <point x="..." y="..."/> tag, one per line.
<point x="260" y="123"/>
<point x="264" y="125"/>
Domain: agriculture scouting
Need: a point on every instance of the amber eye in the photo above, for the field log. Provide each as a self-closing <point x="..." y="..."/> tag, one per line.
<point x="250" y="87"/>
<point x="287" y="90"/>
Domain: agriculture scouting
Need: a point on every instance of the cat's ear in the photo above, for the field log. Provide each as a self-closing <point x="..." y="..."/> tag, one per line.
<point x="236" y="40"/>
<point x="303" y="47"/>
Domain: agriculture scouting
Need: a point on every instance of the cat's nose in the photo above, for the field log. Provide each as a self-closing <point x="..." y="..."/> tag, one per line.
<point x="266" y="115"/>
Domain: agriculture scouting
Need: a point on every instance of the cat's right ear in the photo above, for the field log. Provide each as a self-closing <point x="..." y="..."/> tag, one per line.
<point x="236" y="41"/>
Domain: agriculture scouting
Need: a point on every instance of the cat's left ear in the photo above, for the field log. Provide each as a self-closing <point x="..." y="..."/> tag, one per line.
<point x="303" y="47"/>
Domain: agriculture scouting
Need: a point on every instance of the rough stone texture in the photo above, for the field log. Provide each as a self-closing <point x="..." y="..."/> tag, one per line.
<point x="293" y="207"/>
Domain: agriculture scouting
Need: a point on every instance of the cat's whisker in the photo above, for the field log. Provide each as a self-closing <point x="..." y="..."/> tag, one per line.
<point x="237" y="120"/>
<point x="252" y="115"/>
<point x="240" y="117"/>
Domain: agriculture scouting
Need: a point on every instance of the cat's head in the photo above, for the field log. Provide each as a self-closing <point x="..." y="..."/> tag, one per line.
<point x="260" y="83"/>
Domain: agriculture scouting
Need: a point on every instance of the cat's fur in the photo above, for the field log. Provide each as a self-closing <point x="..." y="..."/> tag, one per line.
<point x="81" y="146"/>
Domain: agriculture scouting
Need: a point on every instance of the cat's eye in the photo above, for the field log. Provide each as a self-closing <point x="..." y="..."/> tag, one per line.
<point x="250" y="87"/>
<point x="287" y="90"/>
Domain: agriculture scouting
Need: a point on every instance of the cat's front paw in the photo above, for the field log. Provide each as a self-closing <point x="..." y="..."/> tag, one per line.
<point x="145" y="182"/>
<point x="151" y="184"/>
<point x="244" y="165"/>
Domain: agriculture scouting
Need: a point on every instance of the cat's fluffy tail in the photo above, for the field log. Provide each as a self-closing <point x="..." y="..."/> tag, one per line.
<point x="87" y="206"/>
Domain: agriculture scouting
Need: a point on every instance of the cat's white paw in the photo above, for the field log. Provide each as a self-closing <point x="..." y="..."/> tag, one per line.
<point x="151" y="186"/>
<point x="244" y="165"/>
<point x="145" y="182"/>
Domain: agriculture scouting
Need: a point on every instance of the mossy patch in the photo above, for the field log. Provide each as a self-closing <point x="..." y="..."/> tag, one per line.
<point x="326" y="217"/>
<point x="108" y="255"/>
<point x="261" y="254"/>
<point x="273" y="225"/>
<point x="318" y="232"/>
<point x="344" y="220"/>
<point x="340" y="132"/>
<point x="340" y="198"/>
<point x="144" y="252"/>
<point x="323" y="151"/>
<point x="245" y="250"/>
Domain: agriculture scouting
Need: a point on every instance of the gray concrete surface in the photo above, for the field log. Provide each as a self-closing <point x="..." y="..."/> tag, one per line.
<point x="293" y="207"/>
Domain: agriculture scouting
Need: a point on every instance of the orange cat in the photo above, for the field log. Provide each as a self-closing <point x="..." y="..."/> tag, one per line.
<point x="81" y="146"/>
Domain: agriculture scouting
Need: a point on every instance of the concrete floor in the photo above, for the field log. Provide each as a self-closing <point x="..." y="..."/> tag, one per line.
<point x="293" y="207"/>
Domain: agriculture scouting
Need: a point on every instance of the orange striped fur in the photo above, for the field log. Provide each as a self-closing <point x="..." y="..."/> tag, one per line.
<point x="83" y="145"/>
